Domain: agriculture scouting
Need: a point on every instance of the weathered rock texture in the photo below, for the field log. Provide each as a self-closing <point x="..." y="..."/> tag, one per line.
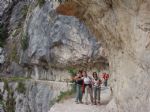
<point x="43" y="44"/>
<point x="123" y="26"/>
<point x="59" y="40"/>
<point x="2" y="58"/>
<point x="38" y="96"/>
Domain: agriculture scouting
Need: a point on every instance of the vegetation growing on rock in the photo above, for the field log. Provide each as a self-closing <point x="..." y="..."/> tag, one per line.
<point x="9" y="103"/>
<point x="65" y="95"/>
<point x="21" y="87"/>
<point x="24" y="41"/>
<point x="3" y="35"/>
<point x="24" y="10"/>
<point x="41" y="2"/>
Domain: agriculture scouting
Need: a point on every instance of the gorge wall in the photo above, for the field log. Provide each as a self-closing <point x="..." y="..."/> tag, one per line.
<point x="42" y="46"/>
<point x="30" y="95"/>
<point x="43" y="42"/>
<point x="123" y="27"/>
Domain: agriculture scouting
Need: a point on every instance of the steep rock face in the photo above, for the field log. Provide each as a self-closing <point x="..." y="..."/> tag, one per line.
<point x="59" y="40"/>
<point x="2" y="58"/>
<point x="123" y="26"/>
<point x="46" y="42"/>
<point x="4" y="4"/>
<point x="43" y="44"/>
<point x="38" y="96"/>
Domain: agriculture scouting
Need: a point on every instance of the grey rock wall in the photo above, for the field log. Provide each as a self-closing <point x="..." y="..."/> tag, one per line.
<point x="60" y="40"/>
<point x="124" y="27"/>
<point x="39" y="96"/>
<point x="2" y="57"/>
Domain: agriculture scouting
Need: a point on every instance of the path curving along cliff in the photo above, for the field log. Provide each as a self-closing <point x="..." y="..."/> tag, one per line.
<point x="69" y="105"/>
<point x="123" y="27"/>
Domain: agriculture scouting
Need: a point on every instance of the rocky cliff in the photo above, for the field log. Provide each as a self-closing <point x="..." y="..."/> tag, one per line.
<point x="41" y="45"/>
<point x="30" y="95"/>
<point x="44" y="42"/>
<point x="123" y="27"/>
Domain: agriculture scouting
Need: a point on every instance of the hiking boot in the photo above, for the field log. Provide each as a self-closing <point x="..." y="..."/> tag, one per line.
<point x="81" y="102"/>
<point x="99" y="103"/>
<point x="77" y="102"/>
<point x="95" y="103"/>
<point x="86" y="103"/>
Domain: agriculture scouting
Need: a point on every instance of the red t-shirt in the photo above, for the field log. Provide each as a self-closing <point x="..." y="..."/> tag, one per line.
<point x="105" y="76"/>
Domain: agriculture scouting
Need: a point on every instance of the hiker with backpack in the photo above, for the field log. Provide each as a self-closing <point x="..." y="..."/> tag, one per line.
<point x="96" y="88"/>
<point x="79" y="82"/>
<point x="87" y="88"/>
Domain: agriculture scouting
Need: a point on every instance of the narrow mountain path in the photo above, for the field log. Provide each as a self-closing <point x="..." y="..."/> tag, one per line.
<point x="69" y="105"/>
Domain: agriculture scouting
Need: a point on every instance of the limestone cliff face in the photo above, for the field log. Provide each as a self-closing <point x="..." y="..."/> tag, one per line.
<point x="123" y="26"/>
<point x="59" y="40"/>
<point x="43" y="45"/>
<point x="37" y="96"/>
<point x="41" y="42"/>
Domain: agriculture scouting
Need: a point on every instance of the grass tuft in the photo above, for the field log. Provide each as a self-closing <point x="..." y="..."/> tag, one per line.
<point x="21" y="87"/>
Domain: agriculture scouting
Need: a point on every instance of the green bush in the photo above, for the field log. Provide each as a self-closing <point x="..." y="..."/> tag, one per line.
<point x="21" y="87"/>
<point x="6" y="86"/>
<point x="14" y="56"/>
<point x="60" y="1"/>
<point x="12" y="79"/>
<point x="3" y="35"/>
<point x="24" y="10"/>
<point x="24" y="42"/>
<point x="16" y="32"/>
<point x="66" y="94"/>
<point x="72" y="71"/>
<point x="10" y="103"/>
<point x="41" y="2"/>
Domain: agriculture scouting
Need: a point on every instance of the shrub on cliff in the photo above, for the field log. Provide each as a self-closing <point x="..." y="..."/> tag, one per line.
<point x="3" y="35"/>
<point x="24" y="42"/>
<point x="21" y="87"/>
<point x="41" y="2"/>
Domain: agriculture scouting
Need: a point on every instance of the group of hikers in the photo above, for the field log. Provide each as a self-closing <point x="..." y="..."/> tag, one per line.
<point x="89" y="86"/>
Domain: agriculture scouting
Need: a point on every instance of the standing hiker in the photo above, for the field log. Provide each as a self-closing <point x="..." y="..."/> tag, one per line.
<point x="79" y="82"/>
<point x="105" y="77"/>
<point x="96" y="88"/>
<point x="87" y="87"/>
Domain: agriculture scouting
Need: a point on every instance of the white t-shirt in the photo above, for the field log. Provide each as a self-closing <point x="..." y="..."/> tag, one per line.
<point x="87" y="80"/>
<point x="96" y="82"/>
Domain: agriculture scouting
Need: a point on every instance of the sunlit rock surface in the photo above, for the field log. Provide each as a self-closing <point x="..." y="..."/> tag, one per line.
<point x="123" y="25"/>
